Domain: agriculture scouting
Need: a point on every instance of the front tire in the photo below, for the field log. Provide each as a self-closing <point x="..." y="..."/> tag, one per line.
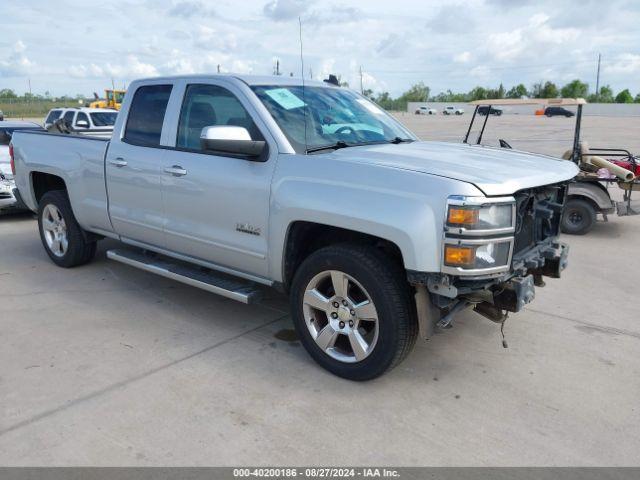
<point x="351" y="307"/>
<point x="63" y="239"/>
<point x="578" y="217"/>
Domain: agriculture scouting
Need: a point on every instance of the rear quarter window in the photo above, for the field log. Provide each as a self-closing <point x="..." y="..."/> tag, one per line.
<point x="146" y="115"/>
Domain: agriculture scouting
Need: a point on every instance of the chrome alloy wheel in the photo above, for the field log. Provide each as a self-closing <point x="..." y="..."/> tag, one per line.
<point x="55" y="230"/>
<point x="340" y="316"/>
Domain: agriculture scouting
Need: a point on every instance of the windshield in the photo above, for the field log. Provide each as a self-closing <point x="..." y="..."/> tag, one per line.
<point x="103" y="119"/>
<point x="332" y="115"/>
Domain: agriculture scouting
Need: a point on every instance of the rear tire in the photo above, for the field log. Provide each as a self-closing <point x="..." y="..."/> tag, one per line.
<point x="578" y="217"/>
<point x="63" y="239"/>
<point x="376" y="288"/>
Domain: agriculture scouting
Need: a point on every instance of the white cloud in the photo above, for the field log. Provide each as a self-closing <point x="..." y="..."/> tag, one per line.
<point x="536" y="35"/>
<point x="624" y="63"/>
<point x="211" y="39"/>
<point x="188" y="9"/>
<point x="462" y="57"/>
<point x="327" y="67"/>
<point x="505" y="45"/>
<point x="282" y="10"/>
<point x="17" y="63"/>
<point x="392" y="45"/>
<point x="398" y="44"/>
<point x="19" y="46"/>
<point x="131" y="68"/>
<point x="481" y="71"/>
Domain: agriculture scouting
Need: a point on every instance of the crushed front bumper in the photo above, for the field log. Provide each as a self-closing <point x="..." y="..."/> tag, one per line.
<point x="439" y="296"/>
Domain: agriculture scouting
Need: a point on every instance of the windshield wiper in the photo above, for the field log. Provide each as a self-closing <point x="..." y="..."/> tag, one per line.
<point x="401" y="140"/>
<point x="331" y="146"/>
<point x="342" y="144"/>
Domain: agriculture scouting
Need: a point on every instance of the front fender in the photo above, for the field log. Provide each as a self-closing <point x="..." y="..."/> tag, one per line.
<point x="404" y="207"/>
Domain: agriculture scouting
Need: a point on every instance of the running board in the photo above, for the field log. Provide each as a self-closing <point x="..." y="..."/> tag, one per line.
<point x="214" y="282"/>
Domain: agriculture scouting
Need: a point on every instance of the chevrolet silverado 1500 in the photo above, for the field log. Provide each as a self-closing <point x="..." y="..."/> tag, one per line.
<point x="231" y="182"/>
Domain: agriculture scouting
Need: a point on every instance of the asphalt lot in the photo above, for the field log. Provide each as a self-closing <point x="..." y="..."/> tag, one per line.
<point x="108" y="365"/>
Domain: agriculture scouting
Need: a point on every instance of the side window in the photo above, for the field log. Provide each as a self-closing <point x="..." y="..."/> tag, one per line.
<point x="146" y="115"/>
<point x="209" y="105"/>
<point x="68" y="116"/>
<point x="82" y="117"/>
<point x="53" y="116"/>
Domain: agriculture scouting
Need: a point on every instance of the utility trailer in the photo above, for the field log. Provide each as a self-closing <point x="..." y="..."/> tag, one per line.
<point x="588" y="194"/>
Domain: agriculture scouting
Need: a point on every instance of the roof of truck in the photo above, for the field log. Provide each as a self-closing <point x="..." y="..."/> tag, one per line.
<point x="248" y="79"/>
<point x="555" y="102"/>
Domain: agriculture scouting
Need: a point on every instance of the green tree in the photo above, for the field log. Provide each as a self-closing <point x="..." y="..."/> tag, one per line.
<point x="624" y="96"/>
<point x="7" y="93"/>
<point x="575" y="89"/>
<point x="478" y="93"/>
<point x="417" y="93"/>
<point x="605" y="95"/>
<point x="637" y="99"/>
<point x="384" y="100"/>
<point x="368" y="93"/>
<point x="518" y="91"/>
<point x="450" y="96"/>
<point x="549" y="90"/>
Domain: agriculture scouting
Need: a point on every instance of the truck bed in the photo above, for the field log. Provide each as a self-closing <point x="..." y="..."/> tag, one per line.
<point x="78" y="160"/>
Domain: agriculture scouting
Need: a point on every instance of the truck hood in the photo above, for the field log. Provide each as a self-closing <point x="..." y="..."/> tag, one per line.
<point x="495" y="171"/>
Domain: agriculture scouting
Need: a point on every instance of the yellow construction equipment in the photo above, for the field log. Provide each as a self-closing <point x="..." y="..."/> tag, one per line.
<point x="113" y="99"/>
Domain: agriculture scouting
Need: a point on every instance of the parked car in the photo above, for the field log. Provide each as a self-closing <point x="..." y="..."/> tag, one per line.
<point x="452" y="111"/>
<point x="484" y="109"/>
<point x="9" y="200"/>
<point x="53" y="115"/>
<point x="1" y="116"/>
<point x="376" y="236"/>
<point x="558" y="111"/>
<point x="87" y="121"/>
<point x="426" y="111"/>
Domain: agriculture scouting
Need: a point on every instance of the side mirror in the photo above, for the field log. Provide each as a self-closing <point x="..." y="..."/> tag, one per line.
<point x="5" y="138"/>
<point x="82" y="124"/>
<point x="230" y="139"/>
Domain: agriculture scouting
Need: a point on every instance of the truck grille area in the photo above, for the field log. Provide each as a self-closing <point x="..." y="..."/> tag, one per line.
<point x="538" y="213"/>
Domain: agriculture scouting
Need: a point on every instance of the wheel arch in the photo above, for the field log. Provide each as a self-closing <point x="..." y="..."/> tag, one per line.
<point x="43" y="182"/>
<point x="305" y="237"/>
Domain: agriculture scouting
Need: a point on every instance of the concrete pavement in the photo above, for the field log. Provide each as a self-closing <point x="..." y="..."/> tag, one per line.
<point x="107" y="365"/>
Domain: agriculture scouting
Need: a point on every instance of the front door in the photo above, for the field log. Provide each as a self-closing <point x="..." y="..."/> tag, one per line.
<point x="216" y="205"/>
<point x="134" y="169"/>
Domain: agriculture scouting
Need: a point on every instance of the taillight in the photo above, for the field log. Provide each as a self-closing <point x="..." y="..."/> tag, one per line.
<point x="13" y="164"/>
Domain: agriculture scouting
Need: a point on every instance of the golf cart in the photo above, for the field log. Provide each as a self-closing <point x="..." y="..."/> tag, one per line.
<point x="588" y="195"/>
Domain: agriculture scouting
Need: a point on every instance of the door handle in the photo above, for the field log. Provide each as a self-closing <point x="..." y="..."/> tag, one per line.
<point x="176" y="171"/>
<point x="118" y="162"/>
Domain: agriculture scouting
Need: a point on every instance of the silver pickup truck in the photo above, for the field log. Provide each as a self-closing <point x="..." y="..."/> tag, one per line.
<point x="229" y="183"/>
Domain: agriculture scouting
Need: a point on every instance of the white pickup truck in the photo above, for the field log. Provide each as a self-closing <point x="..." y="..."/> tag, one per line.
<point x="228" y="183"/>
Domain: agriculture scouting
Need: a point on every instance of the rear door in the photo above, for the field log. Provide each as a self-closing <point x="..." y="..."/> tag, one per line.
<point x="68" y="117"/>
<point x="217" y="205"/>
<point x="134" y="166"/>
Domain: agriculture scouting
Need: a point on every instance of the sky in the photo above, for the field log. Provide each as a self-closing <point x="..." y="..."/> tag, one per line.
<point x="80" y="46"/>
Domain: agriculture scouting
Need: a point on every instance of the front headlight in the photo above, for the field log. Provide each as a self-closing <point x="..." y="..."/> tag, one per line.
<point x="476" y="255"/>
<point x="478" y="235"/>
<point x="481" y="217"/>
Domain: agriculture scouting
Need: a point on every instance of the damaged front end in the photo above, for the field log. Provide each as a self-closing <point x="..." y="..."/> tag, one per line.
<point x="495" y="252"/>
